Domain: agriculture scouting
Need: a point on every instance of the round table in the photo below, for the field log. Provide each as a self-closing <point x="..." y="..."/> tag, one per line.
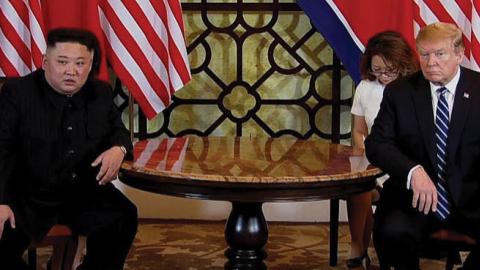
<point x="247" y="172"/>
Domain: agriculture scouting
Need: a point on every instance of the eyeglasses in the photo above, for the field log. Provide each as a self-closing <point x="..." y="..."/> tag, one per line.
<point x="386" y="73"/>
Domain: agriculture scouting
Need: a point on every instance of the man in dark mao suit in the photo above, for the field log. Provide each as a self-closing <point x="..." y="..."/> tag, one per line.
<point x="427" y="138"/>
<point x="62" y="142"/>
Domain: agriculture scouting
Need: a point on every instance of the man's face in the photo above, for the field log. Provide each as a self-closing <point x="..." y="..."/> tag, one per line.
<point x="67" y="66"/>
<point x="439" y="61"/>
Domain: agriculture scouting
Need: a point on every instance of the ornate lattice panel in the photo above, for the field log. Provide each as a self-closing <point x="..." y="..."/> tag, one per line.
<point x="259" y="69"/>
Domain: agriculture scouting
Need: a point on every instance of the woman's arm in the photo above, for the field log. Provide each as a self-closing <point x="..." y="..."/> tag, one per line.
<point x="359" y="132"/>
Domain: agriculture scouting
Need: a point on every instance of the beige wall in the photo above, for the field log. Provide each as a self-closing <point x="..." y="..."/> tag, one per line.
<point x="168" y="207"/>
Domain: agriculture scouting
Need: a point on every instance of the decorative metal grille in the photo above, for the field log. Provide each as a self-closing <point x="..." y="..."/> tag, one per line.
<point x="258" y="69"/>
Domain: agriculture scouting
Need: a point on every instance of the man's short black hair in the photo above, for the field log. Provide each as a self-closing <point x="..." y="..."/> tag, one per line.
<point x="81" y="36"/>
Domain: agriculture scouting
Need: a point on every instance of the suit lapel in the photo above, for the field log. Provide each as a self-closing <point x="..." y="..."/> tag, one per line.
<point x="422" y="99"/>
<point x="461" y="106"/>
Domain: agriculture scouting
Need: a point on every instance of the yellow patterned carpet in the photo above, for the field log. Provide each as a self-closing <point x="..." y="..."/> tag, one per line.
<point x="200" y="246"/>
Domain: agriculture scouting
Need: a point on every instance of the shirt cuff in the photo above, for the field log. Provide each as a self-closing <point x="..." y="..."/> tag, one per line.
<point x="409" y="176"/>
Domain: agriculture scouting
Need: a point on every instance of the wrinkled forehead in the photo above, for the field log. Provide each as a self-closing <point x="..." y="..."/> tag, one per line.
<point x="435" y="45"/>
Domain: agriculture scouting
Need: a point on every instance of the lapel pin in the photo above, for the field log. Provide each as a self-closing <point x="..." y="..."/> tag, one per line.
<point x="466" y="95"/>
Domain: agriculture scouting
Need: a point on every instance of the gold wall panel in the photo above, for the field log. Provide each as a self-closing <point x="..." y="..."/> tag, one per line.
<point x="258" y="72"/>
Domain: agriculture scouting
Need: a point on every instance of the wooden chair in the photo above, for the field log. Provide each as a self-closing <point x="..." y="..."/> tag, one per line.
<point x="446" y="243"/>
<point x="453" y="242"/>
<point x="65" y="255"/>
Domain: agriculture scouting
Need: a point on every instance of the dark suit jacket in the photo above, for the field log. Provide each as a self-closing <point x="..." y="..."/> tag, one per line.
<point x="47" y="143"/>
<point x="403" y="136"/>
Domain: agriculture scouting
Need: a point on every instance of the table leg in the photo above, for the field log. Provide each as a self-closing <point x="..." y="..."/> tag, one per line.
<point x="334" y="208"/>
<point x="246" y="233"/>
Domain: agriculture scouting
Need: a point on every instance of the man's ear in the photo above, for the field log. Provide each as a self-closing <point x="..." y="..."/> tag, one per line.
<point x="460" y="56"/>
<point x="44" y="60"/>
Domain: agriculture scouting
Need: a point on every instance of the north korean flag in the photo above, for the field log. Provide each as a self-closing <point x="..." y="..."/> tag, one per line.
<point x="348" y="24"/>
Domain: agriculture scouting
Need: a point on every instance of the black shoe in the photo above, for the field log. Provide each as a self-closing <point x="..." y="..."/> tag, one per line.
<point x="362" y="261"/>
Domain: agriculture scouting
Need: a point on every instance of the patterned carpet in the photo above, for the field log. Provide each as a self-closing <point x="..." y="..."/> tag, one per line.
<point x="200" y="245"/>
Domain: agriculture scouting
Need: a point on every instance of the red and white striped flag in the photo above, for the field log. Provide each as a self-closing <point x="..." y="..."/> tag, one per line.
<point x="463" y="13"/>
<point x="146" y="48"/>
<point x="145" y="41"/>
<point x="22" y="39"/>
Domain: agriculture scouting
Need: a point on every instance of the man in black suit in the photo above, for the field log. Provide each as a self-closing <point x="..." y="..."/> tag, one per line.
<point x="427" y="138"/>
<point x="62" y="142"/>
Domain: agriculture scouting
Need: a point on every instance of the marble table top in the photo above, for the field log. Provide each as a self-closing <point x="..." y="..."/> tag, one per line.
<point x="248" y="160"/>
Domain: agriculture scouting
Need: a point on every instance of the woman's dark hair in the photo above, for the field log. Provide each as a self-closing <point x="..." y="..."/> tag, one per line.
<point x="81" y="36"/>
<point x="394" y="49"/>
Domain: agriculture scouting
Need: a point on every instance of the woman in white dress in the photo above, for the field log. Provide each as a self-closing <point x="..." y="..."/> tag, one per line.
<point x="387" y="57"/>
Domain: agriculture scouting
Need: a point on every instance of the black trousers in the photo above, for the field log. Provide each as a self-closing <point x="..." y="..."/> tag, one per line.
<point x="400" y="233"/>
<point x="106" y="217"/>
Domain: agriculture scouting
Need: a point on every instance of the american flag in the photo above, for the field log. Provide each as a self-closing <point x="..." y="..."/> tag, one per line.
<point x="146" y="47"/>
<point x="347" y="24"/>
<point x="143" y="39"/>
<point x="22" y="41"/>
<point x="463" y="13"/>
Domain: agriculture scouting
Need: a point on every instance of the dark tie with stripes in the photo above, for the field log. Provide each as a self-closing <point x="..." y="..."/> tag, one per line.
<point x="441" y="135"/>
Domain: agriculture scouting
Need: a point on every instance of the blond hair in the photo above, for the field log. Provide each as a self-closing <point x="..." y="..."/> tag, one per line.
<point x="441" y="31"/>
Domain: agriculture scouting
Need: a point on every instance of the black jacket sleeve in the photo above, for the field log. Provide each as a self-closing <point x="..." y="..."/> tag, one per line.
<point x="9" y="115"/>
<point x="383" y="147"/>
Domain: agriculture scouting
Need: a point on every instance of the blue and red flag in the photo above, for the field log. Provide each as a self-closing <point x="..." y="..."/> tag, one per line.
<point x="348" y="24"/>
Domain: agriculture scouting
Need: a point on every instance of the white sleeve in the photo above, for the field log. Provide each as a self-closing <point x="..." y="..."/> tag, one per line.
<point x="357" y="108"/>
<point x="409" y="176"/>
